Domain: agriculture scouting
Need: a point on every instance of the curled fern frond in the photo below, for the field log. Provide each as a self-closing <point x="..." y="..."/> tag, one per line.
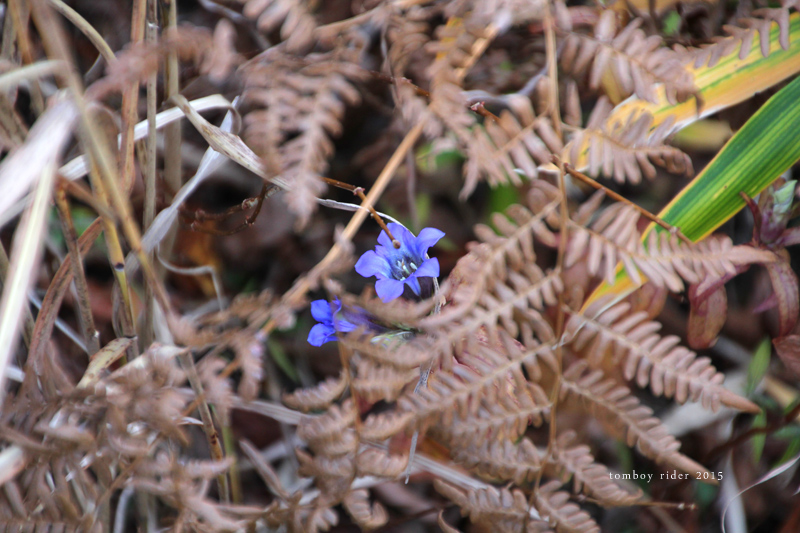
<point x="320" y="396"/>
<point x="375" y="462"/>
<point x="627" y="151"/>
<point x="637" y="62"/>
<point x="330" y="433"/>
<point x="671" y="370"/>
<point x="366" y="515"/>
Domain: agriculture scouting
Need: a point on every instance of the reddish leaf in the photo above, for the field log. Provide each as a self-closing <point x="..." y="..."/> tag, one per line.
<point x="784" y="283"/>
<point x="788" y="349"/>
<point x="707" y="316"/>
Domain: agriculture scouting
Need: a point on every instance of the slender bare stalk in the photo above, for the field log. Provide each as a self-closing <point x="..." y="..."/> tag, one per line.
<point x="90" y="334"/>
<point x="27" y="319"/>
<point x="172" y="133"/>
<point x="148" y="166"/>
<point x="210" y="430"/>
<point x="20" y="14"/>
<point x="619" y="198"/>
<point x="56" y="47"/>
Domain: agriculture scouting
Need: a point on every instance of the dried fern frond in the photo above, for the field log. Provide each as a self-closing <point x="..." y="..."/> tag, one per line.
<point x="293" y="17"/>
<point x="320" y="396"/>
<point x="485" y="372"/>
<point x="590" y="477"/>
<point x="637" y="62"/>
<point x="555" y="507"/>
<point x="626" y="151"/>
<point x="635" y="422"/>
<point x="741" y="38"/>
<point x="666" y="261"/>
<point x="407" y="33"/>
<point x="380" y="382"/>
<point x="507" y="417"/>
<point x="298" y="109"/>
<point x="497" y="282"/>
<point x="499" y="460"/>
<point x="518" y="140"/>
<point x="500" y="510"/>
<point x="671" y="370"/>
<point x="331" y="432"/>
<point x="366" y="515"/>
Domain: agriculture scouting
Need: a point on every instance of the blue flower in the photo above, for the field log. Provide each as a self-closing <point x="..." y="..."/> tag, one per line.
<point x="331" y="320"/>
<point x="396" y="268"/>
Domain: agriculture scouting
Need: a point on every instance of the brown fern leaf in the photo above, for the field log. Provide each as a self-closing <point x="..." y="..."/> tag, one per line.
<point x="635" y="422"/>
<point x="637" y="62"/>
<point x="375" y="462"/>
<point x="513" y="247"/>
<point x="379" y="382"/>
<point x="365" y="515"/>
<point x="331" y="432"/>
<point x="741" y="38"/>
<point x="666" y="260"/>
<point x="324" y="467"/>
<point x="501" y="510"/>
<point x="588" y="476"/>
<point x="298" y="108"/>
<point x="379" y="427"/>
<point x="499" y="460"/>
<point x="626" y="151"/>
<point x="515" y="144"/>
<point x="508" y="417"/>
<point x="671" y="370"/>
<point x="387" y="353"/>
<point x="320" y="396"/>
<point x="407" y="33"/>
<point x="293" y="17"/>
<point x="487" y="372"/>
<point x="555" y="507"/>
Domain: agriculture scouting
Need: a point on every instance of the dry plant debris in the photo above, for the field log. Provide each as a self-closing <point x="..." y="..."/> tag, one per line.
<point x="169" y="375"/>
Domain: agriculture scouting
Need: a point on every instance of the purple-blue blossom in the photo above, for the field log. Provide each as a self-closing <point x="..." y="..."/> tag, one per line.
<point x="331" y="320"/>
<point x="397" y="267"/>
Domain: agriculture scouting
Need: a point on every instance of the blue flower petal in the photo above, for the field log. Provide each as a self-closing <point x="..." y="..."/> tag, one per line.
<point x="389" y="289"/>
<point x="400" y="233"/>
<point x="413" y="282"/>
<point x="427" y="238"/>
<point x="320" y="334"/>
<point x="344" y="325"/>
<point x="371" y="264"/>
<point x="428" y="269"/>
<point x="321" y="310"/>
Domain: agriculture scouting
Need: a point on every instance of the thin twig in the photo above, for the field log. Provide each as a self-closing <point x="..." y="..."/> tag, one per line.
<point x="619" y="198"/>
<point x="148" y="168"/>
<point x="359" y="191"/>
